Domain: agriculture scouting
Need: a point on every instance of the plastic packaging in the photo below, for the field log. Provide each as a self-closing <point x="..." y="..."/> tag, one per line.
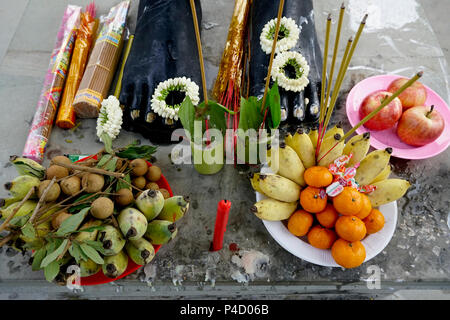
<point x="41" y="126"/>
<point x="85" y="36"/>
<point x="102" y="63"/>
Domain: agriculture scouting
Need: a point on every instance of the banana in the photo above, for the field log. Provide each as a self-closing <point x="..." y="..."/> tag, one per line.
<point x="254" y="180"/>
<point x="174" y="208"/>
<point x="372" y="165"/>
<point x="5" y="203"/>
<point x="20" y="186"/>
<point x="285" y="162"/>
<point x="387" y="191"/>
<point x="85" y="236"/>
<point x="273" y="210"/>
<point x="88" y="268"/>
<point x="115" y="265"/>
<point x="325" y="155"/>
<point x="25" y="166"/>
<point x="337" y="129"/>
<point x="132" y="223"/>
<point x="358" y="146"/>
<point x="279" y="188"/>
<point x="27" y="208"/>
<point x="112" y="240"/>
<point x="140" y="251"/>
<point x="160" y="231"/>
<point x="383" y="175"/>
<point x="313" y="136"/>
<point x="302" y="145"/>
<point x="150" y="203"/>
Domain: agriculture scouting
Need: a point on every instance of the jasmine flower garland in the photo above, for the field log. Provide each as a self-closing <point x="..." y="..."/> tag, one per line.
<point x="173" y="86"/>
<point x="109" y="120"/>
<point x="290" y="70"/>
<point x="287" y="36"/>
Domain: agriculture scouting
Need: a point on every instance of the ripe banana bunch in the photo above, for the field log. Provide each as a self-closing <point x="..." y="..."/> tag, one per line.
<point x="372" y="166"/>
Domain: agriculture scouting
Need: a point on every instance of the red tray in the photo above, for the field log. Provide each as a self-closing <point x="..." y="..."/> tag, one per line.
<point x="99" y="277"/>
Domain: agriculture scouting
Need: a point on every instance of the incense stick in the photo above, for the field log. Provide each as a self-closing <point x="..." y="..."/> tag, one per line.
<point x="272" y="54"/>
<point x="335" y="50"/>
<point x="324" y="67"/>
<point x="200" y="52"/>
<point x="122" y="67"/>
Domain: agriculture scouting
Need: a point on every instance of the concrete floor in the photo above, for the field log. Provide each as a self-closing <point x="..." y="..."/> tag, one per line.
<point x="11" y="14"/>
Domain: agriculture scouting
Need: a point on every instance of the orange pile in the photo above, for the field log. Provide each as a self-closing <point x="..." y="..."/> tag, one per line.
<point x="338" y="223"/>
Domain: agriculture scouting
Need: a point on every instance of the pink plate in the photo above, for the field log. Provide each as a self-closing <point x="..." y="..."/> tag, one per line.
<point x="388" y="138"/>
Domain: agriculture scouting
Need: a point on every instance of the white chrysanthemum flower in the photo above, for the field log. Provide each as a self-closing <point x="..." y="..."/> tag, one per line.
<point x="290" y="70"/>
<point x="173" y="86"/>
<point x="287" y="36"/>
<point x="109" y="120"/>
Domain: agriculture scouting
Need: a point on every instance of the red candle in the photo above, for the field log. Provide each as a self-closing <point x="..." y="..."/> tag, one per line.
<point x="223" y="210"/>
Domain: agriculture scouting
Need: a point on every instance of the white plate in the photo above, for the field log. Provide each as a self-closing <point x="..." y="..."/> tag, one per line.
<point x="374" y="243"/>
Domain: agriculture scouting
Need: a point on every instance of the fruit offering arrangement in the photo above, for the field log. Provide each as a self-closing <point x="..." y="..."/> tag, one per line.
<point x="99" y="213"/>
<point x="332" y="202"/>
<point x="417" y="124"/>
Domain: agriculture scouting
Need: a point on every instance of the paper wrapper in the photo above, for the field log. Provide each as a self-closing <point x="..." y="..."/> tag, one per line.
<point x="85" y="35"/>
<point x="49" y="99"/>
<point x="102" y="63"/>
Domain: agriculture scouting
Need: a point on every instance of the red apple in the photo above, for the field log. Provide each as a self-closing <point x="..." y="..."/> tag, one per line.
<point x="413" y="96"/>
<point x="420" y="125"/>
<point x="387" y="117"/>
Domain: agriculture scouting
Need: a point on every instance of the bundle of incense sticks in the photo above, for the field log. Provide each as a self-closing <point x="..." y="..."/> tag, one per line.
<point x="85" y="36"/>
<point x="102" y="63"/>
<point x="328" y="102"/>
<point x="48" y="103"/>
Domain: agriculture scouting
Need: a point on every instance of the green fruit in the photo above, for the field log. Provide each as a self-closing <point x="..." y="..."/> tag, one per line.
<point x="160" y="231"/>
<point x="140" y="251"/>
<point x="88" y="268"/>
<point x="174" y="208"/>
<point x="115" y="265"/>
<point x="5" y="203"/>
<point x="20" y="186"/>
<point x="27" y="208"/>
<point x="150" y="202"/>
<point x="85" y="236"/>
<point x="132" y="223"/>
<point x="112" y="240"/>
<point x="28" y="167"/>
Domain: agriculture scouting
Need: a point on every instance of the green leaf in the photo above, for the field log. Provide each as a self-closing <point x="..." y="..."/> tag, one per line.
<point x="72" y="223"/>
<point x="97" y="245"/>
<point x="91" y="229"/>
<point x="137" y="152"/>
<point x="107" y="163"/>
<point x="274" y="106"/>
<point x="91" y="253"/>
<point x="51" y="271"/>
<point x="250" y="114"/>
<point x="52" y="256"/>
<point x="28" y="231"/>
<point x="37" y="259"/>
<point x="186" y="113"/>
<point x="122" y="184"/>
<point x="107" y="141"/>
<point x="216" y="116"/>
<point x="75" y="251"/>
<point x="52" y="244"/>
<point x="19" y="221"/>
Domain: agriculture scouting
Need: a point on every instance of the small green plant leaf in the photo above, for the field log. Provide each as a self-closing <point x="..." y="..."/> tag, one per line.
<point x="51" y="271"/>
<point x="122" y="184"/>
<point x="107" y="141"/>
<point x="29" y="231"/>
<point x="91" y="253"/>
<point x="75" y="251"/>
<point x="90" y="229"/>
<point x="97" y="245"/>
<point x="38" y="256"/>
<point x="186" y="113"/>
<point x="137" y="152"/>
<point x="274" y="101"/>
<point x="52" y="256"/>
<point x="72" y="223"/>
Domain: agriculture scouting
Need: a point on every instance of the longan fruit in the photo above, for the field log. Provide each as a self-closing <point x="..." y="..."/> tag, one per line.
<point x="52" y="194"/>
<point x="93" y="182"/>
<point x="57" y="171"/>
<point x="151" y="186"/>
<point x="139" y="182"/>
<point x="139" y="167"/>
<point x="154" y="173"/>
<point x="165" y="193"/>
<point x="61" y="159"/>
<point x="57" y="220"/>
<point x="71" y="185"/>
<point x="102" y="208"/>
<point x="124" y="197"/>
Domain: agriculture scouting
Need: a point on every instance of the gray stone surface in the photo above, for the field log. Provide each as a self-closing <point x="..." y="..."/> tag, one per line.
<point x="417" y="256"/>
